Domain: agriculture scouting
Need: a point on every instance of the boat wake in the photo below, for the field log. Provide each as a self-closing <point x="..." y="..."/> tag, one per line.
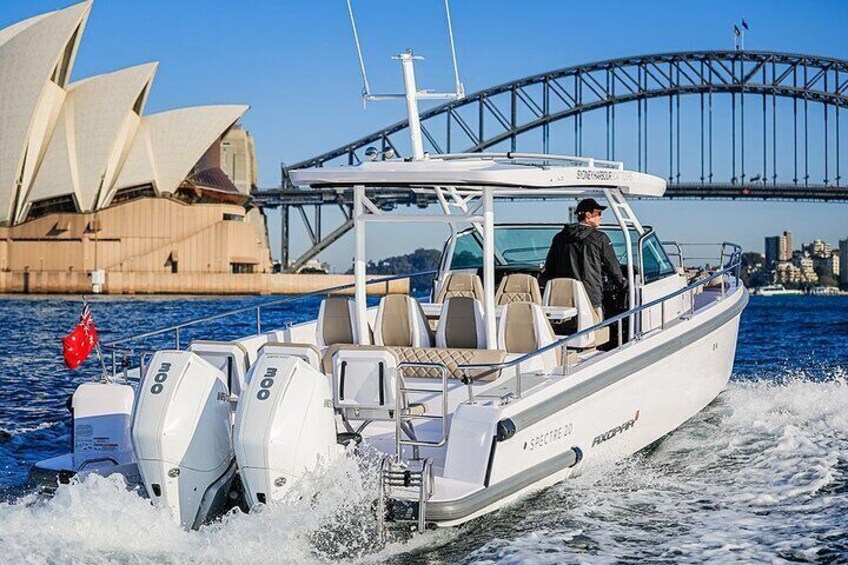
<point x="98" y="520"/>
<point x="759" y="475"/>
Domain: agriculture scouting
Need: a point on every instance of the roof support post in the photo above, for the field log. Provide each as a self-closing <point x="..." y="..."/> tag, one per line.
<point x="628" y="244"/>
<point x="489" y="266"/>
<point x="360" y="295"/>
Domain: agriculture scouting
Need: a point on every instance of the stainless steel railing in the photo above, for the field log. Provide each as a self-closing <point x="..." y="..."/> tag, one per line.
<point x="730" y="252"/>
<point x="119" y="347"/>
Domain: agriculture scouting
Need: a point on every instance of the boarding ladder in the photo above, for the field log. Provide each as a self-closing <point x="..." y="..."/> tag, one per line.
<point x="411" y="479"/>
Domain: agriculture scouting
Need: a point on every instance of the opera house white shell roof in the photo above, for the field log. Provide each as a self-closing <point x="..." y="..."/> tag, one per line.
<point x="84" y="141"/>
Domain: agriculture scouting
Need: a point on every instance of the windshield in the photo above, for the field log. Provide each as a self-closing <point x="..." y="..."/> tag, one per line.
<point x="523" y="245"/>
<point x="527" y="246"/>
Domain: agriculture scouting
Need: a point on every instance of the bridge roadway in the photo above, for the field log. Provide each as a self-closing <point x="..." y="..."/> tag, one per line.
<point x="389" y="199"/>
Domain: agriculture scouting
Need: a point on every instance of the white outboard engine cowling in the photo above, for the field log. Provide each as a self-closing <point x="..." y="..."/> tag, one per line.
<point x="102" y="423"/>
<point x="285" y="426"/>
<point x="182" y="436"/>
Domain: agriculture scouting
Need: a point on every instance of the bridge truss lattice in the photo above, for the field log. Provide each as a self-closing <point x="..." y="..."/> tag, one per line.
<point x="715" y="124"/>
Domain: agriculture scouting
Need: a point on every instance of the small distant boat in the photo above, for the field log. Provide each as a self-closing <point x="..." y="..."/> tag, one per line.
<point x="776" y="290"/>
<point x="824" y="291"/>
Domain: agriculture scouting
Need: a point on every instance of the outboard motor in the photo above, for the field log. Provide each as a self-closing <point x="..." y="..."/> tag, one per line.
<point x="101" y="414"/>
<point x="285" y="426"/>
<point x="182" y="436"/>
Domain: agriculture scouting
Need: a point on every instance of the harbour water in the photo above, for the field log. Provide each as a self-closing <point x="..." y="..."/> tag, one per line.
<point x="760" y="475"/>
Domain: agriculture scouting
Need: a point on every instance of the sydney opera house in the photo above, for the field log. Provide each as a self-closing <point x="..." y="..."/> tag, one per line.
<point x="91" y="183"/>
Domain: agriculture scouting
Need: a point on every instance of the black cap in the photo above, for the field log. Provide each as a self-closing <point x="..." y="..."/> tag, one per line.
<point x="588" y="205"/>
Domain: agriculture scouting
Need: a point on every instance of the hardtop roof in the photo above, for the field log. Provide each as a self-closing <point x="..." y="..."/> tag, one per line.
<point x="510" y="174"/>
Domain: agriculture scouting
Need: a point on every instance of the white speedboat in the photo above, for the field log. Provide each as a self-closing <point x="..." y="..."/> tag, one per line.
<point x="491" y="405"/>
<point x="777" y="290"/>
<point x="492" y="389"/>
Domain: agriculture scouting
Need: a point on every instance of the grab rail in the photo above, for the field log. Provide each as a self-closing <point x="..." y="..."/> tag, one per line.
<point x="585" y="161"/>
<point x="733" y="267"/>
<point x="176" y="329"/>
<point x="402" y="417"/>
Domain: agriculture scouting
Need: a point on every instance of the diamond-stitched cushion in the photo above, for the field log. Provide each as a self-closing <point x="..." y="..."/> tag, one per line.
<point x="451" y="358"/>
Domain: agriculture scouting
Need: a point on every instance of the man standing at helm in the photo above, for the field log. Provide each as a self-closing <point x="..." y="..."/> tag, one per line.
<point x="581" y="251"/>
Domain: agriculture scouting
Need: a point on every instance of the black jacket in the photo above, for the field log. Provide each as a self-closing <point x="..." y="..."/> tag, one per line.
<point x="586" y="254"/>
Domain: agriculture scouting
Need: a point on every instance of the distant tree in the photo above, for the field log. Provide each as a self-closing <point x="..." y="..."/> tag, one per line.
<point x="826" y="277"/>
<point x="418" y="261"/>
<point x="752" y="269"/>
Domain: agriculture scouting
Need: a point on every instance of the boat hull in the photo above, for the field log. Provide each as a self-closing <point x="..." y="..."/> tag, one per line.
<point x="613" y="408"/>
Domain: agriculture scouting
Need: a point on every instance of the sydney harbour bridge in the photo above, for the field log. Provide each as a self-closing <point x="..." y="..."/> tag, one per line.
<point x="740" y="125"/>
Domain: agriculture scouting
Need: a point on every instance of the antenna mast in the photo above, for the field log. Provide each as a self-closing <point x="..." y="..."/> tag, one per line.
<point x="411" y="93"/>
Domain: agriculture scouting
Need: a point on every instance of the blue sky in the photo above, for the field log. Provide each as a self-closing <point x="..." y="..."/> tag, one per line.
<point x="295" y="64"/>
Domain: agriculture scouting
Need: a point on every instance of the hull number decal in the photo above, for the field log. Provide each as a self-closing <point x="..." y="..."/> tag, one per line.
<point x="615" y="431"/>
<point x="548" y="437"/>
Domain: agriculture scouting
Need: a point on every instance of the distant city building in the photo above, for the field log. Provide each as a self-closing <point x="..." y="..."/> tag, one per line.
<point x="778" y="248"/>
<point x="788" y="274"/>
<point x="804" y="269"/>
<point x="832" y="264"/>
<point x="843" y="261"/>
<point x="818" y="249"/>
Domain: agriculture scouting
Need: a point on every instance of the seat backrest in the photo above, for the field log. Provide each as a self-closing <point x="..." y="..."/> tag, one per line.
<point x="466" y="285"/>
<point x="364" y="379"/>
<point x="519" y="287"/>
<point x="461" y="324"/>
<point x="522" y="328"/>
<point x="401" y="322"/>
<point x="572" y="293"/>
<point x="336" y="322"/>
<point x="560" y="292"/>
<point x="230" y="357"/>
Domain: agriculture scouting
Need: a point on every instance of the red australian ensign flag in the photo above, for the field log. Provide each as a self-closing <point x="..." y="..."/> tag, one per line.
<point x="78" y="344"/>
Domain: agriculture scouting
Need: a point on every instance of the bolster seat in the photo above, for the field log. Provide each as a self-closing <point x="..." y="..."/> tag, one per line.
<point x="401" y="322"/>
<point x="524" y="328"/>
<point x="465" y="285"/>
<point x="572" y="293"/>
<point x="336" y="322"/>
<point x="461" y="324"/>
<point x="519" y="287"/>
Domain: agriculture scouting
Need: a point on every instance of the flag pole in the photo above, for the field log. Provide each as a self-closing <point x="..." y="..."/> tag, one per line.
<point x="106" y="377"/>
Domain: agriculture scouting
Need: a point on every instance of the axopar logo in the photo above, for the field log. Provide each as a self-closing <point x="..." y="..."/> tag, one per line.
<point x="615" y="431"/>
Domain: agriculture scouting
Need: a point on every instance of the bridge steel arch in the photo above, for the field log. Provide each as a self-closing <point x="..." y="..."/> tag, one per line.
<point x="508" y="110"/>
<point x="497" y="116"/>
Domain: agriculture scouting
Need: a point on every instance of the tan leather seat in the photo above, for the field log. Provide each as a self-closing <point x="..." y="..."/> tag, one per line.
<point x="401" y="322"/>
<point x="461" y="324"/>
<point x="336" y="322"/>
<point x="571" y="293"/>
<point x="519" y="287"/>
<point x="523" y="328"/>
<point x="465" y="285"/>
